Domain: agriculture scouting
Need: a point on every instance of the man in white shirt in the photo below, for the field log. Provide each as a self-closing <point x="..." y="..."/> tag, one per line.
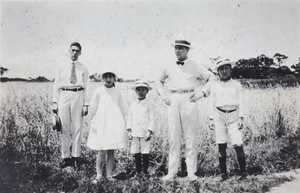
<point x="71" y="101"/>
<point x="182" y="78"/>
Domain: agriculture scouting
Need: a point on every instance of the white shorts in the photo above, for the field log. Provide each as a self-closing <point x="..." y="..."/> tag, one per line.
<point x="227" y="123"/>
<point x="140" y="145"/>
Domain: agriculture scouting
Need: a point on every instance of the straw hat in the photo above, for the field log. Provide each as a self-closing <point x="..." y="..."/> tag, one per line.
<point x="223" y="62"/>
<point x="182" y="43"/>
<point x="141" y="83"/>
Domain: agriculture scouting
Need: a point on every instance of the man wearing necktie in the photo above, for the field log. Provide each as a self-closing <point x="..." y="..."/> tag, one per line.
<point x="184" y="79"/>
<point x="70" y="102"/>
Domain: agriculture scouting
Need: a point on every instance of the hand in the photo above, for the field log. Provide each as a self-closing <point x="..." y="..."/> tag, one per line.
<point x="166" y="100"/>
<point x="196" y="96"/>
<point x="55" y="108"/>
<point x="211" y="124"/>
<point x="129" y="133"/>
<point x="241" y="123"/>
<point x="85" y="110"/>
<point x="148" y="135"/>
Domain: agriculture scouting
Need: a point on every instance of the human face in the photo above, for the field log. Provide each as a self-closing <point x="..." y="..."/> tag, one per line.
<point x="74" y="53"/>
<point x="109" y="79"/>
<point x="141" y="92"/>
<point x="225" y="71"/>
<point x="181" y="52"/>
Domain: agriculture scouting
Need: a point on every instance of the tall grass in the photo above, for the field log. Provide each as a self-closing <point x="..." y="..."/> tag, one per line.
<point x="31" y="149"/>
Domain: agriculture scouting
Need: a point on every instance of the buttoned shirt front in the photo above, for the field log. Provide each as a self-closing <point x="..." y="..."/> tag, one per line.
<point x="187" y="76"/>
<point x="140" y="117"/>
<point x="62" y="79"/>
<point x="226" y="94"/>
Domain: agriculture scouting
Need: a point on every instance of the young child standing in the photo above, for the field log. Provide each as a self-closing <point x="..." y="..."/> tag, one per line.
<point x="226" y="107"/>
<point x="107" y="131"/>
<point x="140" y="125"/>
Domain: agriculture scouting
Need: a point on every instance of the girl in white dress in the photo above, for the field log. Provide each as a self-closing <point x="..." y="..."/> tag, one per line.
<point x="107" y="131"/>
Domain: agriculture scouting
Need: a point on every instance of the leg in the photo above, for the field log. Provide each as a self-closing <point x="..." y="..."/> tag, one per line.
<point x="100" y="163"/>
<point x="77" y="119"/>
<point x="145" y="163"/>
<point x="145" y="149"/>
<point x="189" y="114"/>
<point x="175" y="134"/>
<point x="65" y="117"/>
<point x="138" y="162"/>
<point x="110" y="162"/>
<point x="222" y="159"/>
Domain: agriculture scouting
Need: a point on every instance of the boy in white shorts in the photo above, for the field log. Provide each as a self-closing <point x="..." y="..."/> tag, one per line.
<point x="140" y="125"/>
<point x="226" y="106"/>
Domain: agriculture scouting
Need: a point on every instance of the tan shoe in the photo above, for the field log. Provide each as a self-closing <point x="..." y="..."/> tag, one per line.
<point x="192" y="177"/>
<point x="169" y="177"/>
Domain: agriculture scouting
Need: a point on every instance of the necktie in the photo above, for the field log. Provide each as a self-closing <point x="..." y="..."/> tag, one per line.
<point x="73" y="78"/>
<point x="180" y="63"/>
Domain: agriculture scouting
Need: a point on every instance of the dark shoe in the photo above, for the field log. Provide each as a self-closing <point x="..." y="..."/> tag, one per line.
<point x="76" y="162"/>
<point x="224" y="176"/>
<point x="243" y="176"/>
<point x="66" y="162"/>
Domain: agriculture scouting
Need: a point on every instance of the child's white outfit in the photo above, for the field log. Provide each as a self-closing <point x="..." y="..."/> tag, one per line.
<point x="107" y="126"/>
<point x="140" y="120"/>
<point x="226" y="105"/>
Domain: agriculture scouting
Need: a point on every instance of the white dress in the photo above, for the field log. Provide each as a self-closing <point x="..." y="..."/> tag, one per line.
<point x="108" y="130"/>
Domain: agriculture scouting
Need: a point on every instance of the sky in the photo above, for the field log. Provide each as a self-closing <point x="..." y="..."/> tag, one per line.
<point x="134" y="37"/>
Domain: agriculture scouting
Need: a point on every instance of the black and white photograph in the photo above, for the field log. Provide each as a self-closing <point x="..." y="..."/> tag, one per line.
<point x="150" y="96"/>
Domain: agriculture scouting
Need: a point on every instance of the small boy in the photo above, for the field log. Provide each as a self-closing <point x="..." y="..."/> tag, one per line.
<point x="226" y="107"/>
<point x="140" y="124"/>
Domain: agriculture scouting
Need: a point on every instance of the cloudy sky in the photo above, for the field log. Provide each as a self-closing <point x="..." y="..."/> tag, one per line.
<point x="134" y="37"/>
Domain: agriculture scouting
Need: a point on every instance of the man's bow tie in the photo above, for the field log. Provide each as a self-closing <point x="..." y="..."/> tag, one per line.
<point x="181" y="63"/>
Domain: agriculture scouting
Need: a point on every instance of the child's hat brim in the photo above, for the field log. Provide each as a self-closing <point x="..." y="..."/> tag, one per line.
<point x="141" y="84"/>
<point x="222" y="63"/>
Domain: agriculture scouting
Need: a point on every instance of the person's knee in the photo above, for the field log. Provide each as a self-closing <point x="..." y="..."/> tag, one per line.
<point x="239" y="150"/>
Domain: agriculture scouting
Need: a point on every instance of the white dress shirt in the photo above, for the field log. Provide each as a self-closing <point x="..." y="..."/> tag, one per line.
<point x="62" y="79"/>
<point x="188" y="76"/>
<point x="140" y="117"/>
<point x="226" y="95"/>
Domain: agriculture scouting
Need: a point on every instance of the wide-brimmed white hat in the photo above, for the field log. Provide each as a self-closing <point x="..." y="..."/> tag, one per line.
<point x="141" y="83"/>
<point x="108" y="70"/>
<point x="223" y="62"/>
<point x="182" y="43"/>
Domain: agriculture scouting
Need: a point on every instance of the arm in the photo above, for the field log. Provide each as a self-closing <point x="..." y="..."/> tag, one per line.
<point x="56" y="92"/>
<point x="86" y="100"/>
<point x="121" y="104"/>
<point x="95" y="103"/>
<point x="207" y="76"/>
<point x="241" y="107"/>
<point x="160" y="87"/>
<point x="211" y="108"/>
<point x="129" y="122"/>
<point x="151" y="123"/>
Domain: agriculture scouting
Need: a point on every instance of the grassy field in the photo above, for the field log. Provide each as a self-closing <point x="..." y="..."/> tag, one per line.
<point x="30" y="150"/>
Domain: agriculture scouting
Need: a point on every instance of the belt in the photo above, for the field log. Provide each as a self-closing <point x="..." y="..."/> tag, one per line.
<point x="72" y="89"/>
<point x="224" y="111"/>
<point x="182" y="91"/>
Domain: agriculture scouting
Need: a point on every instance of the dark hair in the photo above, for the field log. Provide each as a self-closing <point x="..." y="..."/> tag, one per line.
<point x="76" y="44"/>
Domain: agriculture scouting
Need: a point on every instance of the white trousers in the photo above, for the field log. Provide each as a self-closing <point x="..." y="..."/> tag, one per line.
<point x="70" y="113"/>
<point x="182" y="118"/>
